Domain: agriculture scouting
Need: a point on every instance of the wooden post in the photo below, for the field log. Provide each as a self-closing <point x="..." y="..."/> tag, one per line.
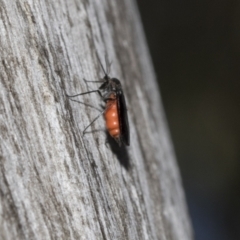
<point x="54" y="182"/>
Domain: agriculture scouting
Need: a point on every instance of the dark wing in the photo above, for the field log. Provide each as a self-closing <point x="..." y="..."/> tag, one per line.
<point x="123" y="118"/>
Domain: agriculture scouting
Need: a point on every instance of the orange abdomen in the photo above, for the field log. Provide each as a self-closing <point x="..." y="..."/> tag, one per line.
<point x="111" y="118"/>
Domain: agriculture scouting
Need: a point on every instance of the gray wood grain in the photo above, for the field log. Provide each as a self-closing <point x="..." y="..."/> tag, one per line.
<point x="54" y="182"/>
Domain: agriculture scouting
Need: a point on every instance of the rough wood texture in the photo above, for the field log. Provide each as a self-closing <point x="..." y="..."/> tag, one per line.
<point x="55" y="183"/>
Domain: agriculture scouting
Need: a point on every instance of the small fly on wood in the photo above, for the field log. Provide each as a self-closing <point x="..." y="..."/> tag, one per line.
<point x="115" y="111"/>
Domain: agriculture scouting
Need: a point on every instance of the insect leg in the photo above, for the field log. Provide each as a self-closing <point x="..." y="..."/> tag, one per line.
<point x="96" y="81"/>
<point x="107" y="99"/>
<point x="79" y="94"/>
<point x="84" y="131"/>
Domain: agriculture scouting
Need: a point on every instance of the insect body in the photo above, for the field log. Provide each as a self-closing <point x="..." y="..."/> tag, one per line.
<point x="115" y="111"/>
<point x="112" y="118"/>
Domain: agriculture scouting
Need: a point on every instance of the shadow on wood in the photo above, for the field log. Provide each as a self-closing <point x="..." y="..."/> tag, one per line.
<point x="120" y="152"/>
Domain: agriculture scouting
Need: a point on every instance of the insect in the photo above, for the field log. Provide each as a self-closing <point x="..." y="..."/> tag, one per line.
<point x="115" y="110"/>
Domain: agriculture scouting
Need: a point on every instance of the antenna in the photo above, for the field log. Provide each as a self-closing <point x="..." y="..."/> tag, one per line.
<point x="108" y="64"/>
<point x="102" y="65"/>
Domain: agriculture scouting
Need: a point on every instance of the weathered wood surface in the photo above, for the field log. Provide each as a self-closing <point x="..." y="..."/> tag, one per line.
<point x="55" y="183"/>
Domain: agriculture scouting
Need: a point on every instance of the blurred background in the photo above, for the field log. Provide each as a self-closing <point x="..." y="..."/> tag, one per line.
<point x="195" y="47"/>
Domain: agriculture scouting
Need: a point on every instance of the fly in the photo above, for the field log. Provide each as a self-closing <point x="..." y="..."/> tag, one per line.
<point x="115" y="111"/>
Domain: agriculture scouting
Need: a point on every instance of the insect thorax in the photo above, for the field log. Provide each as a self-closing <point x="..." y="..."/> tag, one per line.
<point x="110" y="86"/>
